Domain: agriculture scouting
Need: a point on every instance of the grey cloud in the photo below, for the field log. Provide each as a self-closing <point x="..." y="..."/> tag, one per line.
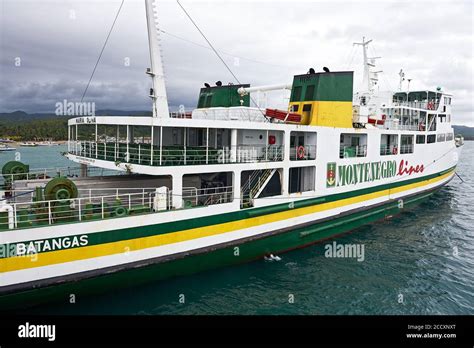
<point x="432" y="41"/>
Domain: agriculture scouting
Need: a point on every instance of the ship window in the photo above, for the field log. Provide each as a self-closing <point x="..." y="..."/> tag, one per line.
<point x="301" y="179"/>
<point x="303" y="146"/>
<point x="420" y="139"/>
<point x="201" y="101"/>
<point x="296" y="94"/>
<point x="406" y="144"/>
<point x="449" y="136"/>
<point x="431" y="138"/>
<point x="260" y="184"/>
<point x="207" y="189"/>
<point x="441" y="137"/>
<point x="208" y="101"/>
<point x="432" y="122"/>
<point x="307" y="107"/>
<point x="353" y="145"/>
<point x="442" y="118"/>
<point x="309" y="95"/>
<point x="388" y="144"/>
<point x="294" y="108"/>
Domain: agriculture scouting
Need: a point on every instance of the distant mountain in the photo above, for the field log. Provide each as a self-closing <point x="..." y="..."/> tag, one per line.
<point x="21" y="116"/>
<point x="465" y="131"/>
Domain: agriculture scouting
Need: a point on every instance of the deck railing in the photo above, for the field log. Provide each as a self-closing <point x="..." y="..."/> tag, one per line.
<point x="353" y="151"/>
<point x="388" y="150"/>
<point x="46" y="173"/>
<point x="395" y="125"/>
<point x="425" y="105"/>
<point x="408" y="148"/>
<point x="153" y="155"/>
<point x="28" y="194"/>
<point x="36" y="214"/>
<point x="299" y="153"/>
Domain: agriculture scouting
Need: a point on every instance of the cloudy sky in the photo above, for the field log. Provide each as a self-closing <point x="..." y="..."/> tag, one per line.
<point x="48" y="48"/>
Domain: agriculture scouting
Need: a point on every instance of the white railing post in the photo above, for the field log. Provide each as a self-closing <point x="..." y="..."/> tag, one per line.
<point x="151" y="154"/>
<point x="102" y="206"/>
<point x="161" y="144"/>
<point x="79" y="209"/>
<point x="129" y="201"/>
<point x="50" y="218"/>
<point x="207" y="145"/>
<point x="15" y="220"/>
<point x="139" y="153"/>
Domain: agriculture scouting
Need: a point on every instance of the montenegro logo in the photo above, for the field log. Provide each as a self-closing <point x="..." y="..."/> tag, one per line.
<point x="331" y="174"/>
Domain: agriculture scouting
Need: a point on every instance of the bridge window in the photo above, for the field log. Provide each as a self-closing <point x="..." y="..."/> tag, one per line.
<point x="406" y="144"/>
<point x="449" y="136"/>
<point x="420" y="139"/>
<point x="353" y="145"/>
<point x="309" y="95"/>
<point x="301" y="179"/>
<point x="431" y="138"/>
<point x="389" y="144"/>
<point x="296" y="94"/>
<point x="441" y="137"/>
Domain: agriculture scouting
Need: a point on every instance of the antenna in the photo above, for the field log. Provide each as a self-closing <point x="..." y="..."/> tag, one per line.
<point x="370" y="77"/>
<point x="402" y="78"/>
<point x="364" y="44"/>
<point x="158" y="90"/>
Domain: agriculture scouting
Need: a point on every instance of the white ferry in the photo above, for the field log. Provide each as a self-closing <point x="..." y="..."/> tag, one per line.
<point x="229" y="182"/>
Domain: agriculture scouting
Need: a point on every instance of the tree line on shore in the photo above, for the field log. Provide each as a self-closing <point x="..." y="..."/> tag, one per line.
<point x="54" y="129"/>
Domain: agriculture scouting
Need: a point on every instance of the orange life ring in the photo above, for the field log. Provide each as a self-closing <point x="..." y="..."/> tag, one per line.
<point x="300" y="152"/>
<point x="394" y="150"/>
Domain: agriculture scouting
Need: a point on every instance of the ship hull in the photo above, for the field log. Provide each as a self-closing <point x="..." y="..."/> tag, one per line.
<point x="228" y="253"/>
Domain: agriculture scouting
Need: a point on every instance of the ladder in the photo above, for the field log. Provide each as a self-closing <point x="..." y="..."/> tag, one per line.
<point x="254" y="185"/>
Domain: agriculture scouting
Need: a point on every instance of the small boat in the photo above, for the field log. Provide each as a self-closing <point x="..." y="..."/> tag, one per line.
<point x="47" y="143"/>
<point x="4" y="147"/>
<point x="28" y="144"/>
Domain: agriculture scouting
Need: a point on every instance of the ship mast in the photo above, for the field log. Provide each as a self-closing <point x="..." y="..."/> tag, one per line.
<point x="158" y="90"/>
<point x="370" y="77"/>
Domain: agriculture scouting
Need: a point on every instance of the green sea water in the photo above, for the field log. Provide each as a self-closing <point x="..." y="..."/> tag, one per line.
<point x="419" y="262"/>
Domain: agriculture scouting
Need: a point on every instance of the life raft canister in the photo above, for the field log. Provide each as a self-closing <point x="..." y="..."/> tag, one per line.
<point x="300" y="152"/>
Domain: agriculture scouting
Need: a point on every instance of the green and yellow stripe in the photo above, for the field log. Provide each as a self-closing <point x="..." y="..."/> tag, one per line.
<point x="133" y="239"/>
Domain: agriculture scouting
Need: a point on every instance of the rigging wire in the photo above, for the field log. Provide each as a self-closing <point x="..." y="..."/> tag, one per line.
<point x="102" y="51"/>
<point x="218" y="55"/>
<point x="225" y="53"/>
